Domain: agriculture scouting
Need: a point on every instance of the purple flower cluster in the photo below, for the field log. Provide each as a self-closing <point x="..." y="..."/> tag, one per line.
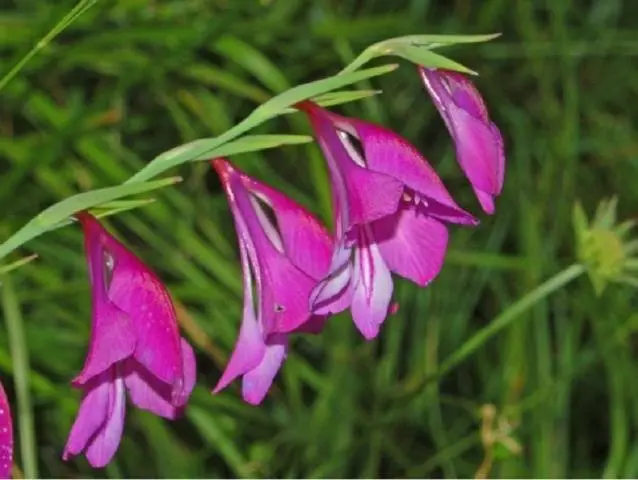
<point x="391" y="216"/>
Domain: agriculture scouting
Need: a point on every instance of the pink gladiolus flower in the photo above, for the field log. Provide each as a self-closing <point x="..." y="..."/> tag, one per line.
<point x="285" y="256"/>
<point x="479" y="144"/>
<point x="390" y="208"/>
<point x="135" y="346"/>
<point x="6" y="436"/>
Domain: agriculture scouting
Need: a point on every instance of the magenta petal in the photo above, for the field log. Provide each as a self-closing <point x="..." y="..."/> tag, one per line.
<point x="368" y="195"/>
<point x="190" y="375"/>
<point x="92" y="414"/>
<point x="111" y="341"/>
<point x="291" y="290"/>
<point x="149" y="393"/>
<point x="257" y="382"/>
<point x="372" y="288"/>
<point x="6" y="436"/>
<point x="388" y="153"/>
<point x="104" y="444"/>
<point x="479" y="144"/>
<point x="138" y="292"/>
<point x="306" y="242"/>
<point x="412" y="244"/>
<point x="250" y="347"/>
<point x="313" y="325"/>
<point x="112" y="338"/>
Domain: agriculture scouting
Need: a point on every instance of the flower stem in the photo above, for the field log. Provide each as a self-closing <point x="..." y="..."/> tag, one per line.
<point x="503" y="320"/>
<point x="21" y="371"/>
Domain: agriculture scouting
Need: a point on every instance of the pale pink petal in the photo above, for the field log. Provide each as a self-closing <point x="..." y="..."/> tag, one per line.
<point x="250" y="348"/>
<point x="333" y="293"/>
<point x="149" y="393"/>
<point x="138" y="292"/>
<point x="257" y="382"/>
<point x="112" y="338"/>
<point x="365" y="194"/>
<point x="412" y="244"/>
<point x="306" y="242"/>
<point x="93" y="413"/>
<point x="104" y="444"/>
<point x="6" y="436"/>
<point x="372" y="287"/>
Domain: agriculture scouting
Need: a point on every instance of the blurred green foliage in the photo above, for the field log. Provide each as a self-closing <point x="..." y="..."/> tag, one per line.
<point x="553" y="395"/>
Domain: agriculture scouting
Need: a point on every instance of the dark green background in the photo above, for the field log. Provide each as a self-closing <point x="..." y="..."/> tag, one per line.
<point x="133" y="78"/>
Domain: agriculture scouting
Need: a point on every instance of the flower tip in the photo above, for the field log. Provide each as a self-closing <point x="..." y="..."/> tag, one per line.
<point x="83" y="217"/>
<point x="306" y="106"/>
<point x="223" y="168"/>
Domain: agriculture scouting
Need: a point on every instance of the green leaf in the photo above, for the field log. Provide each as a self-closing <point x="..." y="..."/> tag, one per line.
<point x="344" y="96"/>
<point x="52" y="217"/>
<point x="17" y="264"/>
<point x="436" y="41"/>
<point x="218" y="439"/>
<point x="253" y="143"/>
<point x="281" y="102"/>
<point x="273" y="107"/>
<point x="416" y="49"/>
<point x="253" y="61"/>
<point x="423" y="56"/>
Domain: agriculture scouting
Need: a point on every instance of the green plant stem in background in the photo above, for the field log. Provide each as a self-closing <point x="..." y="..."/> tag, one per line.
<point x="545" y="289"/>
<point x="69" y="18"/>
<point x="503" y="320"/>
<point x="21" y="371"/>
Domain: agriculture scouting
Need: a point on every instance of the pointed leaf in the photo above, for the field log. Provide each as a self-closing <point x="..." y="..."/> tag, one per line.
<point x="51" y="218"/>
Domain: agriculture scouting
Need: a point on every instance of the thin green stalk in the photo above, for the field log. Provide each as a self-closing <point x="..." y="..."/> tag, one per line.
<point x="21" y="371"/>
<point x="74" y="13"/>
<point x="545" y="289"/>
<point x="502" y="321"/>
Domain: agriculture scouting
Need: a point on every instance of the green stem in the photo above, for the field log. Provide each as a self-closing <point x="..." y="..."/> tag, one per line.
<point x="75" y="12"/>
<point x="545" y="289"/>
<point x="21" y="371"/>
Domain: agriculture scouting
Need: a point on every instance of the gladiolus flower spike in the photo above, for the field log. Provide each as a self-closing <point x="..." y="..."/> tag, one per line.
<point x="390" y="211"/>
<point x="135" y="346"/>
<point x="285" y="257"/>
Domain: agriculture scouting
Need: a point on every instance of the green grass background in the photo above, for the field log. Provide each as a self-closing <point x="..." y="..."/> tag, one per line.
<point x="132" y="78"/>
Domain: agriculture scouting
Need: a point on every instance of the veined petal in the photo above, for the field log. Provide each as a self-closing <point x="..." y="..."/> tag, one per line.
<point x="389" y="153"/>
<point x="250" y="347"/>
<point x="257" y="382"/>
<point x="306" y="242"/>
<point x="149" y="393"/>
<point x="102" y="447"/>
<point x="369" y="195"/>
<point x="136" y="290"/>
<point x="333" y="293"/>
<point x="283" y="287"/>
<point x="6" y="436"/>
<point x="112" y="338"/>
<point x="98" y="425"/>
<point x="412" y="244"/>
<point x="372" y="287"/>
<point x="479" y="143"/>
